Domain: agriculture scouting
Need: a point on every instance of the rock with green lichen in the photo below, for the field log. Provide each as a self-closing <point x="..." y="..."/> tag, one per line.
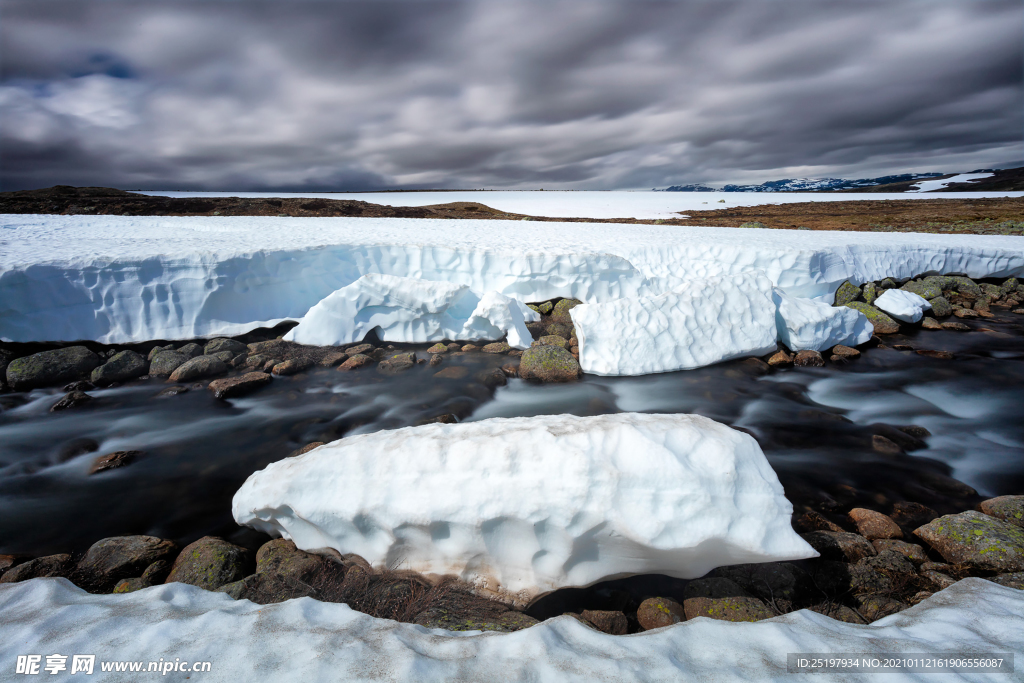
<point x="659" y="612"/>
<point x="560" y="313"/>
<point x="1009" y="286"/>
<point x="963" y="285"/>
<point x="548" y="364"/>
<point x="887" y="283"/>
<point x="722" y="599"/>
<point x="927" y="290"/>
<point x="870" y="292"/>
<point x="1014" y="580"/>
<point x="121" y="366"/>
<point x="941" y="308"/>
<point x="847" y="293"/>
<point x="210" y="563"/>
<point x="1007" y="508"/>
<point x="882" y="323"/>
<point x="875" y="607"/>
<point x="48" y="368"/>
<point x="977" y="540"/>
<point x="546" y="307"/>
<point x="451" y="620"/>
<point x="552" y="340"/>
<point x="438" y="348"/>
<point x="496" y="347"/>
<point x="559" y="330"/>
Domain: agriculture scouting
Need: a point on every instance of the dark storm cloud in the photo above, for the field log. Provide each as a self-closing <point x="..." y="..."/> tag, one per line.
<point x="580" y="94"/>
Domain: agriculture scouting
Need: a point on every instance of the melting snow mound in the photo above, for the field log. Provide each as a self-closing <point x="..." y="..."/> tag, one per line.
<point x="698" y="323"/>
<point x="902" y="305"/>
<point x="410" y="310"/>
<point x="522" y="506"/>
<point x="808" y="325"/>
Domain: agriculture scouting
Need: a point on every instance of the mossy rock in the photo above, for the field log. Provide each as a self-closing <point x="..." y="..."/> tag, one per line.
<point x="941" y="308"/>
<point x="847" y="293"/>
<point x="964" y="285"/>
<point x="121" y="366"/>
<point x="552" y="340"/>
<point x="560" y="313"/>
<point x="166" y="362"/>
<point x="977" y="540"/>
<point x="438" y="348"/>
<point x="210" y="563"/>
<point x="221" y="345"/>
<point x="727" y="609"/>
<point x="548" y="364"/>
<point x="871" y="292"/>
<point x="563" y="330"/>
<point x="47" y="368"/>
<point x="546" y="307"/>
<point x="882" y="323"/>
<point x="926" y="290"/>
<point x="1007" y="508"/>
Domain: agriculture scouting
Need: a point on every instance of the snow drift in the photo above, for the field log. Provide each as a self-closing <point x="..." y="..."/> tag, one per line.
<point x="404" y="309"/>
<point x="115" y="279"/>
<point x="808" y="325"/>
<point x="522" y="506"/>
<point x="902" y="305"/>
<point x="315" y="641"/>
<point x="696" y="324"/>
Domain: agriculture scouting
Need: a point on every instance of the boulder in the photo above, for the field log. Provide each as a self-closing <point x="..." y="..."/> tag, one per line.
<point x="962" y="285"/>
<point x="607" y="621"/>
<point x="548" y="364"/>
<point x="563" y="330"/>
<point x="963" y="313"/>
<point x="938" y="580"/>
<point x="874" y="607"/>
<point x="496" y="347"/>
<point x="230" y="387"/>
<point x="722" y="599"/>
<point x="1007" y="508"/>
<point x="460" y="610"/>
<point x="560" y="313"/>
<point x="882" y="323"/>
<point x="659" y="612"/>
<point x="365" y="349"/>
<point x="469" y="348"/>
<point x="112" y="461"/>
<point x="197" y="368"/>
<point x="51" y="565"/>
<point x="871" y="292"/>
<point x="887" y="283"/>
<point x="839" y="613"/>
<point x="845" y="351"/>
<point x="292" y="367"/>
<point x="221" y="345"/>
<point x="545" y="308"/>
<point x="930" y="324"/>
<point x="191" y="350"/>
<point x="164" y="363"/>
<point x="847" y="293"/>
<point x="808" y="359"/>
<point x="121" y="367"/>
<point x="438" y="348"/>
<point x="956" y="327"/>
<point x="72" y="399"/>
<point x="977" y="540"/>
<point x="780" y="582"/>
<point x="910" y="514"/>
<point x="157" y="349"/>
<point x="839" y="545"/>
<point x="551" y="340"/>
<point x="355" y="362"/>
<point x="111" y="559"/>
<point x="332" y="359"/>
<point x="210" y="563"/>
<point x="283" y="572"/>
<point x="924" y="289"/>
<point x="811" y="520"/>
<point x="941" y="308"/>
<point x="492" y="379"/>
<point x="1014" y="580"/>
<point x="780" y="358"/>
<point x="48" y="368"/>
<point x="911" y="551"/>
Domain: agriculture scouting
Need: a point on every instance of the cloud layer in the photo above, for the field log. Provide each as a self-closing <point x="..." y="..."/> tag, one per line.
<point x="165" y="94"/>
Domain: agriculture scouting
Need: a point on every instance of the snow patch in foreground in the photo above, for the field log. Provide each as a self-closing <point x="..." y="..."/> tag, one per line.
<point x="699" y="323"/>
<point x="903" y="305"/>
<point x="409" y="310"/>
<point x="306" y="640"/>
<point x="523" y="506"/>
<point x="808" y="325"/>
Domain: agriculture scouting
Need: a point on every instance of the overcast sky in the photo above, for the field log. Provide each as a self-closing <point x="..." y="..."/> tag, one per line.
<point x="581" y="94"/>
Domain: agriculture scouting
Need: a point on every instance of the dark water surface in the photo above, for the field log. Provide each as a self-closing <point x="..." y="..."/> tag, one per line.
<point x="815" y="425"/>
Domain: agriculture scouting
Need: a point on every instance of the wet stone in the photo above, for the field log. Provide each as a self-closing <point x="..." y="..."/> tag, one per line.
<point x="607" y="621"/>
<point x="113" y="461"/>
<point x="172" y="391"/>
<point x="49" y="368"/>
<point x="885" y="446"/>
<point x="166" y="362"/>
<point x="292" y="367"/>
<point x="911" y="551"/>
<point x="191" y="350"/>
<point x="220" y="345"/>
<point x="469" y="348"/>
<point x="120" y="368"/>
<point x="210" y="563"/>
<point x="355" y="362"/>
<point x="956" y="327"/>
<point x="496" y="347"/>
<point x="453" y="372"/>
<point x="72" y="399"/>
<point x="333" y="358"/>
<point x="839" y="545"/>
<point x="436" y="359"/>
<point x="231" y="387"/>
<point x="931" y="324"/>
<point x="359" y="348"/>
<point x="438" y="348"/>
<point x="780" y="358"/>
<point x="121" y="557"/>
<point x="198" y="368"/>
<point x="847" y="351"/>
<point x="808" y="359"/>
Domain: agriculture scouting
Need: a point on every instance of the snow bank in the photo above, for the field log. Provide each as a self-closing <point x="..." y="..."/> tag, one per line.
<point x="697" y="324"/>
<point x="522" y="506"/>
<point x="312" y="641"/>
<point x="119" y="279"/>
<point x="932" y="185"/>
<point x="903" y="305"/>
<point x="404" y="309"/>
<point x="808" y="325"/>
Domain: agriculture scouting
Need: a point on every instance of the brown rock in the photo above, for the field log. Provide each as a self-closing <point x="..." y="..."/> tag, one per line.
<point x="306" y="449"/>
<point x="355" y="362"/>
<point x="846" y="351"/>
<point x="551" y="340"/>
<point x="496" y="347"/>
<point x="436" y="359"/>
<point x="964" y="313"/>
<point x="839" y="613"/>
<point x="549" y="364"/>
<point x="910" y="514"/>
<point x="1007" y="508"/>
<point x="754" y="366"/>
<point x="453" y="372"/>
<point x="956" y="327"/>
<point x="364" y="349"/>
<point x="938" y="580"/>
<point x="113" y="460"/>
<point x="120" y="557"/>
<point x="974" y="539"/>
<point x="839" y="545"/>
<point x="438" y="348"/>
<point x="331" y="359"/>
<point x="197" y="368"/>
<point x="229" y="387"/>
<point x="931" y="324"/>
<point x="874" y="525"/>
<point x="607" y="621"/>
<point x="72" y="399"/>
<point x="659" y="612"/>
<point x="510" y="369"/>
<point x="492" y="379"/>
<point x="453" y="347"/>
<point x="292" y="367"/>
<point x="809" y="359"/>
<point x="469" y="348"/>
<point x="780" y="358"/>
<point x="940" y="355"/>
<point x="874" y="607"/>
<point x="50" y="565"/>
<point x="911" y="551"/>
<point x="885" y="446"/>
<point x="811" y="520"/>
<point x="210" y="563"/>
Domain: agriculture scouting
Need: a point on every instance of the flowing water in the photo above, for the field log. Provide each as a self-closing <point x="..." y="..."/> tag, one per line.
<point x="816" y="426"/>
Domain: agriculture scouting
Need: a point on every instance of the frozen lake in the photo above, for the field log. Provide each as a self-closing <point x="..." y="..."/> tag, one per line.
<point x="584" y="204"/>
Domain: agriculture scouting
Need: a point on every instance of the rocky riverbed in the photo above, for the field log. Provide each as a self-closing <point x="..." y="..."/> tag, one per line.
<point x="904" y="458"/>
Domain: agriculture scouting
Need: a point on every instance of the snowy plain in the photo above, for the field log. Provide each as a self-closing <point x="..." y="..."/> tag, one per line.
<point x="641" y="204"/>
<point x="522" y="506"/>
<point x="306" y="640"/>
<point x="118" y="279"/>
<point x="932" y="185"/>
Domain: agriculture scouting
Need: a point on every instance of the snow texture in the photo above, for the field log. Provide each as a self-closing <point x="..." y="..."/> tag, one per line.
<point x="598" y="204"/>
<point x="522" y="506"/>
<point x="932" y="185"/>
<point x="306" y="640"/>
<point x="120" y="279"/>
<point x="903" y="305"/>
<point x="697" y="324"/>
<point x="808" y="325"/>
<point x="403" y="309"/>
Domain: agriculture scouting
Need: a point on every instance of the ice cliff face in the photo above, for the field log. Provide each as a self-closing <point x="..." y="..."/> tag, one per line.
<point x="523" y="506"/>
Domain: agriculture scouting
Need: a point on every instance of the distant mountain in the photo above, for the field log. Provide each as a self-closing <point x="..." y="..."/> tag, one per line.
<point x="807" y="184"/>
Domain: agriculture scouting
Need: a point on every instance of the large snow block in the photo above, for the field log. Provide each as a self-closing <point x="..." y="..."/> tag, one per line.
<point x="903" y="305"/>
<point x="522" y="506"/>
<point x="699" y="323"/>
<point x="306" y="640"/>
<point x="404" y="309"/>
<point x="808" y="325"/>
